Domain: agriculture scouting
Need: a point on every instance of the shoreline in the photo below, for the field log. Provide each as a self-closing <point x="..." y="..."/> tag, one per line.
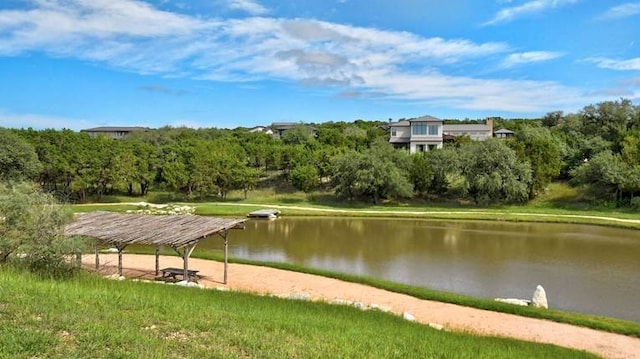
<point x="554" y="216"/>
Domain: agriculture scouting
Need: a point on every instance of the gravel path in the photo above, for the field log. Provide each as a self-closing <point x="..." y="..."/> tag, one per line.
<point x="264" y="280"/>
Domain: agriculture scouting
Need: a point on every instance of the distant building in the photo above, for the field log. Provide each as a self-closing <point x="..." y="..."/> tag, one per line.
<point x="262" y="129"/>
<point x="279" y="128"/>
<point x="477" y="132"/>
<point x="114" y="132"/>
<point x="417" y="135"/>
<point x="503" y="133"/>
<point x="428" y="133"/>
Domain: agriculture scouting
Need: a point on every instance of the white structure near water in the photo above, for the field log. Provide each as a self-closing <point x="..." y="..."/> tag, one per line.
<point x="428" y="133"/>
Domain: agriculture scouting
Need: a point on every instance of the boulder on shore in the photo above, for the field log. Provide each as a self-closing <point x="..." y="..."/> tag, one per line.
<point x="539" y="299"/>
<point x="514" y="301"/>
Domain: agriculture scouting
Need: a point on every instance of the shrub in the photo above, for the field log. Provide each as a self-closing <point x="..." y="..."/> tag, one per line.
<point x="32" y="231"/>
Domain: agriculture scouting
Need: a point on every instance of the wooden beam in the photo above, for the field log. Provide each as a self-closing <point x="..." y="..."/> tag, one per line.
<point x="120" y="249"/>
<point x="157" y="260"/>
<point x="185" y="262"/>
<point x="97" y="255"/>
<point x="223" y="234"/>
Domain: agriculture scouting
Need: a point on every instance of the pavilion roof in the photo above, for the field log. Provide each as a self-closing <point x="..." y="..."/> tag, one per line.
<point x="177" y="231"/>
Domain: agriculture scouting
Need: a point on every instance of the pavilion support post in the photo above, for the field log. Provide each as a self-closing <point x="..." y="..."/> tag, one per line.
<point x="157" y="260"/>
<point x="185" y="260"/>
<point x="120" y="249"/>
<point x="97" y="255"/>
<point x="226" y="260"/>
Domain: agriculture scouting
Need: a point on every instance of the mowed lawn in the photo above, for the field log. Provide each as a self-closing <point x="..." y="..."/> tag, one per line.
<point x="91" y="317"/>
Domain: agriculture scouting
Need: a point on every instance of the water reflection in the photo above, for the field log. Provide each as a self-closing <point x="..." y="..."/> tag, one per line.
<point x="583" y="268"/>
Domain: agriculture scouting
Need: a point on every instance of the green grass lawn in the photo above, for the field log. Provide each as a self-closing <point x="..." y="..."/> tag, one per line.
<point x="90" y="317"/>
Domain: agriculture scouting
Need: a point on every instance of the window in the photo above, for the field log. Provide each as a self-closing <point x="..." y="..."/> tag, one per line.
<point x="433" y="130"/>
<point x="419" y="128"/>
<point x="393" y="132"/>
<point x="419" y="148"/>
<point x="432" y="147"/>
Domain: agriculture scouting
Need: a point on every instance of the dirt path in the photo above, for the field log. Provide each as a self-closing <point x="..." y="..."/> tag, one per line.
<point x="333" y="210"/>
<point x="264" y="280"/>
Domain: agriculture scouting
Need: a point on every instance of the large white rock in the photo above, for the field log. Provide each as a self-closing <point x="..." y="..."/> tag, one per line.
<point x="513" y="301"/>
<point x="539" y="299"/>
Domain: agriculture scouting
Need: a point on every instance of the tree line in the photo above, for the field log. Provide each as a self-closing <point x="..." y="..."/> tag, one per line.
<point x="597" y="148"/>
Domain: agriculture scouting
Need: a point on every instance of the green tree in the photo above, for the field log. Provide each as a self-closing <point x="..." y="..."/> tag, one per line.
<point x="378" y="173"/>
<point x="297" y="135"/>
<point x="305" y="178"/>
<point x="444" y="164"/>
<point x="421" y="174"/>
<point x="32" y="223"/>
<point x="610" y="120"/>
<point x="608" y="176"/>
<point x="246" y="179"/>
<point x="538" y="147"/>
<point x="552" y="119"/>
<point x="18" y="160"/>
<point x="493" y="173"/>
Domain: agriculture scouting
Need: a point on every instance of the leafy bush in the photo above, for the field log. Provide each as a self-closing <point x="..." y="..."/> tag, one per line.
<point x="32" y="231"/>
<point x="635" y="203"/>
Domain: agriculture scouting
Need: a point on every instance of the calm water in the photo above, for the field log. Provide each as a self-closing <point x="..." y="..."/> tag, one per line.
<point x="582" y="268"/>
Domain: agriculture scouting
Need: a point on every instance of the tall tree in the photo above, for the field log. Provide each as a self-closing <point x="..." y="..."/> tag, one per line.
<point x="538" y="147"/>
<point x="378" y="173"/>
<point x="305" y="178"/>
<point x="18" y="160"/>
<point x="493" y="173"/>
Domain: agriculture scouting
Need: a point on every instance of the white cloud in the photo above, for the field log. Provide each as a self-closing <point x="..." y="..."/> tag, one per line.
<point x="530" y="7"/>
<point x="39" y="121"/>
<point x="613" y="64"/>
<point x="530" y="57"/>
<point x="476" y="94"/>
<point x="134" y="36"/>
<point x="621" y="11"/>
<point x="249" y="6"/>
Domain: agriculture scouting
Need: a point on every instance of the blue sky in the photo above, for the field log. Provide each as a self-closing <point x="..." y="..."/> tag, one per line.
<point x="228" y="63"/>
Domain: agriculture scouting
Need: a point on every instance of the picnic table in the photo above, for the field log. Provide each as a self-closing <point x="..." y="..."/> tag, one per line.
<point x="172" y="272"/>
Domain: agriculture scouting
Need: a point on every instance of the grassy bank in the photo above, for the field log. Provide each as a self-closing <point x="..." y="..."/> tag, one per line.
<point x="92" y="317"/>
<point x="607" y="324"/>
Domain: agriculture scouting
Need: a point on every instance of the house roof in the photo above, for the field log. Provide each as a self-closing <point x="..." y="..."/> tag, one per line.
<point x="426" y="118"/>
<point x="465" y="128"/>
<point x="284" y="125"/>
<point x="400" y="123"/>
<point x="505" y="131"/>
<point x="115" y="129"/>
<point x="177" y="231"/>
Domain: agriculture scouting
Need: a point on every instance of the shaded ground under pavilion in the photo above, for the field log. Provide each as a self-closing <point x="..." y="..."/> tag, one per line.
<point x="180" y="232"/>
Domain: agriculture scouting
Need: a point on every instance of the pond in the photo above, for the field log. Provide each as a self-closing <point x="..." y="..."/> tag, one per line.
<point x="583" y="268"/>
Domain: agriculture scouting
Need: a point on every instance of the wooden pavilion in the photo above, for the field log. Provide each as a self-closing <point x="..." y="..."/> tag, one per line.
<point x="180" y="232"/>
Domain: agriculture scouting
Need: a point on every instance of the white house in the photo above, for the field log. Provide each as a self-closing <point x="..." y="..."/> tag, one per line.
<point x="477" y="132"/>
<point x="427" y="133"/>
<point x="418" y="135"/>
